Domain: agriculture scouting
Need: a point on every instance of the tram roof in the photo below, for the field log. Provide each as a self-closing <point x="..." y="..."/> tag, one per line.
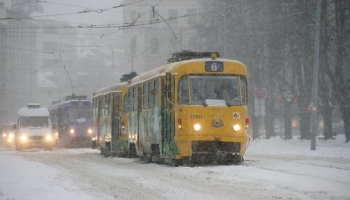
<point x="66" y="104"/>
<point x="111" y="88"/>
<point x="172" y="67"/>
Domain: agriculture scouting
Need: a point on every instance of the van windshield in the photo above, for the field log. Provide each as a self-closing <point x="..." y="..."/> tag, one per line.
<point x="27" y="122"/>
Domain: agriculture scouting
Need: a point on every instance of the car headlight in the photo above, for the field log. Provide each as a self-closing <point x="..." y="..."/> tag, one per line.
<point x="197" y="127"/>
<point x="94" y="138"/>
<point x="11" y="135"/>
<point x="236" y="127"/>
<point x="48" y="137"/>
<point x="89" y="131"/>
<point x="24" y="138"/>
<point x="72" y="130"/>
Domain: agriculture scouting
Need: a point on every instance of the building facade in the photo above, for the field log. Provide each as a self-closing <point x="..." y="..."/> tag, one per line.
<point x="19" y="63"/>
<point x="154" y="30"/>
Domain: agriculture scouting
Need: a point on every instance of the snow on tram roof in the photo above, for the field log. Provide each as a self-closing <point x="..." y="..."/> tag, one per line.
<point x="111" y="88"/>
<point x="169" y="67"/>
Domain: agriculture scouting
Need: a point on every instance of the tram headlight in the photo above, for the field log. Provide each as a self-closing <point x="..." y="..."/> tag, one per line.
<point x="197" y="127"/>
<point x="132" y="137"/>
<point x="71" y="131"/>
<point x="108" y="138"/>
<point x="89" y="131"/>
<point x="236" y="127"/>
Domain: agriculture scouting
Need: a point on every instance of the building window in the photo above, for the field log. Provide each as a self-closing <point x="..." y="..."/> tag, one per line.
<point x="133" y="16"/>
<point x="49" y="63"/>
<point x="172" y="17"/>
<point x="154" y="46"/>
<point x="50" y="46"/>
<point x="192" y="16"/>
<point x="173" y="45"/>
<point x="133" y="46"/>
<point x="154" y="16"/>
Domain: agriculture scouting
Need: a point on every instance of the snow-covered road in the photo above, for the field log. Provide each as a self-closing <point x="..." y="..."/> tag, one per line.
<point x="273" y="169"/>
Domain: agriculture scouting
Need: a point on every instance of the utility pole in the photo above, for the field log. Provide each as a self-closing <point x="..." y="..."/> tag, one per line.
<point x="314" y="118"/>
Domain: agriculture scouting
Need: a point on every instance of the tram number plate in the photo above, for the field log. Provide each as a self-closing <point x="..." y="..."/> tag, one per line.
<point x="214" y="66"/>
<point x="196" y="116"/>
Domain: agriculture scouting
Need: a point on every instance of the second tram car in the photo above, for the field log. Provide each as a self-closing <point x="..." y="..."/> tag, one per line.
<point x="190" y="111"/>
<point x="72" y="121"/>
<point x="110" y="122"/>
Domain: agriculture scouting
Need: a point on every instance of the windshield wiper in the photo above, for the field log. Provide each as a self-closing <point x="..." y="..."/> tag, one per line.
<point x="228" y="103"/>
<point x="203" y="101"/>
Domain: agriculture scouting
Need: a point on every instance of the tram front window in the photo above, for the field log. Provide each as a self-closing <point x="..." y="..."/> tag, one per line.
<point x="79" y="114"/>
<point x="209" y="87"/>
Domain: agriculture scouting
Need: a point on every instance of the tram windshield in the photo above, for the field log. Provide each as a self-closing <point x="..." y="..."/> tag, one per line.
<point x="79" y="114"/>
<point x="216" y="89"/>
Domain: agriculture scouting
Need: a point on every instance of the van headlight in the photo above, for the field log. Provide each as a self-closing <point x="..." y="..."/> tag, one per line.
<point x="236" y="127"/>
<point x="197" y="127"/>
<point x="24" y="138"/>
<point x="48" y="137"/>
<point x="11" y="135"/>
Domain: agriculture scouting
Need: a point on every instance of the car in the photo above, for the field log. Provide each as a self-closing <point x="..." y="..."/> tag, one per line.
<point x="7" y="135"/>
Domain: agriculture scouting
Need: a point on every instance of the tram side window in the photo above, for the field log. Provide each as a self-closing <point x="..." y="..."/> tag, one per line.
<point x="115" y="104"/>
<point x="107" y="104"/>
<point x="134" y="89"/>
<point x="149" y="94"/>
<point x="145" y="96"/>
<point x="244" y="91"/>
<point x="156" y="93"/>
<point x="102" y="105"/>
<point x="152" y="94"/>
<point x="126" y="103"/>
<point x="94" y="107"/>
<point x="99" y="106"/>
<point x="183" y="91"/>
<point x="120" y="103"/>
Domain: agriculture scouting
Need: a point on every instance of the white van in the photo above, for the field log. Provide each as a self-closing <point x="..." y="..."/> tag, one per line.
<point x="33" y="128"/>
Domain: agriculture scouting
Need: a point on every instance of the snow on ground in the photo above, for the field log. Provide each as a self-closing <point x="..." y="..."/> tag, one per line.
<point x="273" y="169"/>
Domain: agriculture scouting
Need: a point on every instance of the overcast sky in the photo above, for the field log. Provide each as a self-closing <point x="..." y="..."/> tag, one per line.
<point x="65" y="8"/>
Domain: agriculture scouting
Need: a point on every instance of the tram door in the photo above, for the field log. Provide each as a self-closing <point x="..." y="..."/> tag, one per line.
<point x="168" y="125"/>
<point x="139" y="109"/>
<point x="115" y="120"/>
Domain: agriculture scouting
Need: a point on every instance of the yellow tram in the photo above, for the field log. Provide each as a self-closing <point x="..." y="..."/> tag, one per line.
<point x="110" y="128"/>
<point x="190" y="111"/>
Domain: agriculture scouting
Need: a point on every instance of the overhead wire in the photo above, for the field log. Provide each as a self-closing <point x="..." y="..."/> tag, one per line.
<point x="73" y="13"/>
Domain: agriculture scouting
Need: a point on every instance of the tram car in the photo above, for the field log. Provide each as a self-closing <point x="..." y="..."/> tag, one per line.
<point x="194" y="110"/>
<point x="110" y="122"/>
<point x="72" y="122"/>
